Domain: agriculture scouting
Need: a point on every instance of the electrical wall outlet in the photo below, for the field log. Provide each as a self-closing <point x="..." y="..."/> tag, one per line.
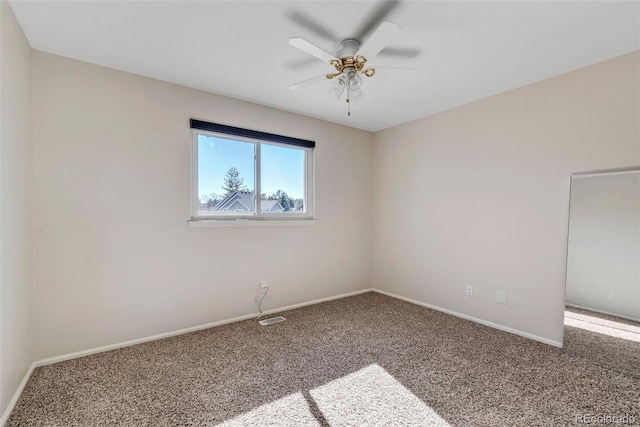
<point x="612" y="296"/>
<point x="261" y="291"/>
<point x="501" y="297"/>
<point x="469" y="290"/>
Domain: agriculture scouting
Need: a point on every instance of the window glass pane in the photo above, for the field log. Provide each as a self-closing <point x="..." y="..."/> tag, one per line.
<point x="282" y="178"/>
<point x="226" y="180"/>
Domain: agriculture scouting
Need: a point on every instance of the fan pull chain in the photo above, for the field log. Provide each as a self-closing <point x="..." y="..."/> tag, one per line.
<point x="348" y="101"/>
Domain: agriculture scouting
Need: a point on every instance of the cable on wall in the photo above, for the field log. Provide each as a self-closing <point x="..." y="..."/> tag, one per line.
<point x="264" y="294"/>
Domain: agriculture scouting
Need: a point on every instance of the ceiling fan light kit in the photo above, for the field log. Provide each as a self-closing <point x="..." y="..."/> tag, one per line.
<point x="352" y="83"/>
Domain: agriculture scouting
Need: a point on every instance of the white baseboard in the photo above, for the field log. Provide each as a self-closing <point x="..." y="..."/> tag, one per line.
<point x="474" y="319"/>
<point x="74" y="355"/>
<point x="16" y="395"/>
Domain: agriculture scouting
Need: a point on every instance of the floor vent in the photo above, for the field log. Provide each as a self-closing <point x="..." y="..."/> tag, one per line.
<point x="271" y="321"/>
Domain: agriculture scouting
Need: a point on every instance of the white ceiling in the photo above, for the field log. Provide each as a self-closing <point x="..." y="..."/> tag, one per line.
<point x="469" y="50"/>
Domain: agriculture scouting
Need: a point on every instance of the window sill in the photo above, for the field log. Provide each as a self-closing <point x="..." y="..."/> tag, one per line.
<point x="226" y="223"/>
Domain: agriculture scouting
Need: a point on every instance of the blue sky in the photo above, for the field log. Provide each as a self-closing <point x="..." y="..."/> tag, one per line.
<point x="282" y="167"/>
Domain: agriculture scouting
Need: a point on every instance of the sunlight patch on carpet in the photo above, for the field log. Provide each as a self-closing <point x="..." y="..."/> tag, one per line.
<point x="288" y="411"/>
<point x="598" y="325"/>
<point x="372" y="397"/>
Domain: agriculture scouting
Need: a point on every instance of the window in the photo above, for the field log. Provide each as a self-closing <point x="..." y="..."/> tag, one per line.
<point x="245" y="174"/>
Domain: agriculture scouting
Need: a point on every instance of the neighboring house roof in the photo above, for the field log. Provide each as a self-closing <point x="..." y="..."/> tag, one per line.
<point x="237" y="201"/>
<point x="244" y="201"/>
<point x="271" y="206"/>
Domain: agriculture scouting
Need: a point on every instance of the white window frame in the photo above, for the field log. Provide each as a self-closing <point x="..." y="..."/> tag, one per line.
<point x="199" y="219"/>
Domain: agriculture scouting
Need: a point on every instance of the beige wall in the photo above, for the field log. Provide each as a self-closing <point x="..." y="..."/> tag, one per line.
<point x="16" y="183"/>
<point x="114" y="258"/>
<point x="604" y="243"/>
<point x="479" y="195"/>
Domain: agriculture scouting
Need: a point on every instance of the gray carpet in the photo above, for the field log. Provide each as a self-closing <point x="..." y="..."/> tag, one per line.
<point x="610" y="341"/>
<point x="359" y="361"/>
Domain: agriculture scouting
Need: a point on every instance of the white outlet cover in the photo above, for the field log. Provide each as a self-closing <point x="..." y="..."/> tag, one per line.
<point x="501" y="297"/>
<point x="469" y="290"/>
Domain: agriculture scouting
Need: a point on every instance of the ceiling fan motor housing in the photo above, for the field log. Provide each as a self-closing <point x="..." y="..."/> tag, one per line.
<point x="348" y="47"/>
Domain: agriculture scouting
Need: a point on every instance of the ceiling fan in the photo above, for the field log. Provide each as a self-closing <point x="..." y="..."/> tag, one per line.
<point x="349" y="62"/>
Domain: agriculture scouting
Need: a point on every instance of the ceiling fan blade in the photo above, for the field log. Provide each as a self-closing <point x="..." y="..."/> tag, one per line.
<point x="312" y="26"/>
<point x="375" y="18"/>
<point x="400" y="52"/>
<point x="311" y="49"/>
<point x="383" y="35"/>
<point x="308" y="82"/>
